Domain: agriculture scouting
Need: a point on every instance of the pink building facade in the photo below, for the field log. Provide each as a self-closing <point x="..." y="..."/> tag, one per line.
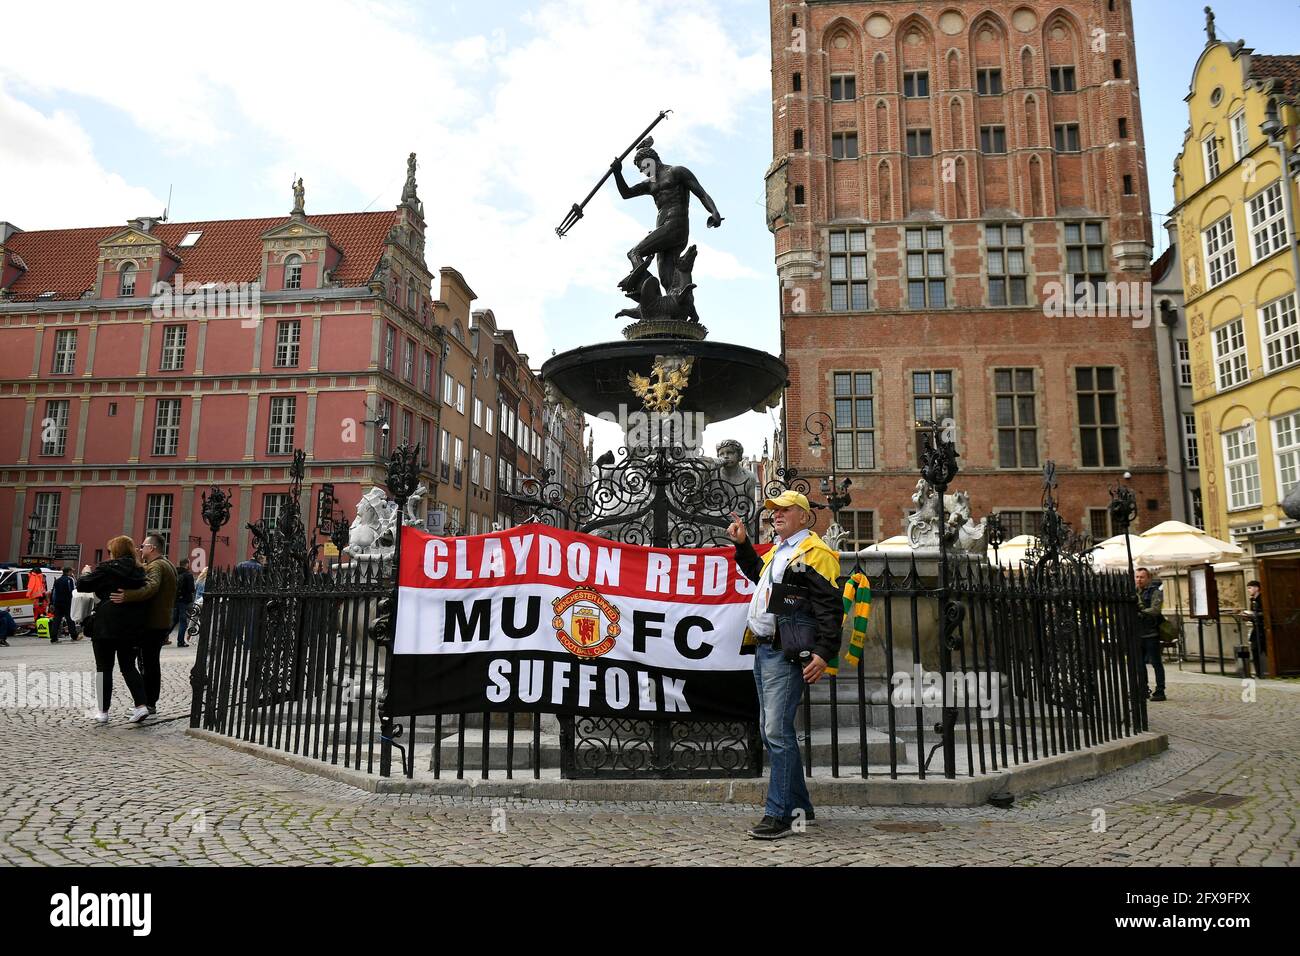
<point x="143" y="364"/>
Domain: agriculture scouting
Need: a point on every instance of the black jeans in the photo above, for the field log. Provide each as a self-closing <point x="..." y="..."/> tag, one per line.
<point x="56" y="625"/>
<point x="105" y="651"/>
<point x="150" y="649"/>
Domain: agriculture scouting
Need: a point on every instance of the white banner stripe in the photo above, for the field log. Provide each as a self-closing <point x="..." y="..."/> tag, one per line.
<point x="683" y="630"/>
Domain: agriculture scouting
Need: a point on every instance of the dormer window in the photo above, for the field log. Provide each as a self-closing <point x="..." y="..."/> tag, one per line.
<point x="126" y="287"/>
<point x="293" y="272"/>
<point x="190" y="238"/>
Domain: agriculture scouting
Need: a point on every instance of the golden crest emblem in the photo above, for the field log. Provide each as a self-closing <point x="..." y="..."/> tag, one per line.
<point x="578" y="620"/>
<point x="661" y="391"/>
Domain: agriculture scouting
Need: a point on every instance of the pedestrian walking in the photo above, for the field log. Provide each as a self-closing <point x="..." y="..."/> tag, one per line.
<point x="114" y="629"/>
<point x="794" y="630"/>
<point x="1256" y="617"/>
<point x="1150" y="615"/>
<point x="63" y="590"/>
<point x="159" y="597"/>
<point x="185" y="590"/>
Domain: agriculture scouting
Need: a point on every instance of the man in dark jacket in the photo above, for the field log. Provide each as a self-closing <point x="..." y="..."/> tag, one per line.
<point x="794" y="627"/>
<point x="1150" y="614"/>
<point x="160" y="593"/>
<point x="184" y="601"/>
<point x="62" y="605"/>
<point x="8" y="627"/>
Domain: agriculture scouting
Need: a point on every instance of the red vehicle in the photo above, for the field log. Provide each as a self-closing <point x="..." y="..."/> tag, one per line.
<point x="13" y="593"/>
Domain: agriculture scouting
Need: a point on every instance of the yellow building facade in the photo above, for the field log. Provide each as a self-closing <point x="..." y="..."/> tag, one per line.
<point x="1235" y="212"/>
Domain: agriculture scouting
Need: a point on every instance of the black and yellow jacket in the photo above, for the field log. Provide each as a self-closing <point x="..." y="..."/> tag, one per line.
<point x="814" y="567"/>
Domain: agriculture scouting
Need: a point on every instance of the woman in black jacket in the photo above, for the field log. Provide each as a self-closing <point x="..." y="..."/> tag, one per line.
<point x="117" y="627"/>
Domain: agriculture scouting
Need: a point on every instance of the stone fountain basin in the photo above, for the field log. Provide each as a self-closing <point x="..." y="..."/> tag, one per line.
<point x="726" y="380"/>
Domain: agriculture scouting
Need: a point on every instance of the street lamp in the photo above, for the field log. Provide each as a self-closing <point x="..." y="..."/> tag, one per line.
<point x="216" y="512"/>
<point x="33" y="525"/>
<point x="835" y="491"/>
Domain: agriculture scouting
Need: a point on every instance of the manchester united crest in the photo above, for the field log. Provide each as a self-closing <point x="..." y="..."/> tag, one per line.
<point x="585" y="623"/>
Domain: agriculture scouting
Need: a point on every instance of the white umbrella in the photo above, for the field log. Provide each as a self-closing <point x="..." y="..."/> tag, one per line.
<point x="1113" y="553"/>
<point x="1012" y="551"/>
<point x="898" y="542"/>
<point x="1174" y="544"/>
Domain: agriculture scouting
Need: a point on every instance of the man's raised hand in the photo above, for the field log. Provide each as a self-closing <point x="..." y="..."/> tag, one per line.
<point x="736" y="530"/>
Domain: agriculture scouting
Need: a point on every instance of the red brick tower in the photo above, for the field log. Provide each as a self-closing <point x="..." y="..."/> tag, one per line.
<point x="949" y="180"/>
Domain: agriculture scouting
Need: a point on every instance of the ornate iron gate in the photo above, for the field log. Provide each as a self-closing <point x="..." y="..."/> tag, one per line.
<point x="660" y="497"/>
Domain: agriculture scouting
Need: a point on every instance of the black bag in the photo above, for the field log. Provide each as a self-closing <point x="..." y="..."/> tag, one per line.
<point x="88" y="625"/>
<point x="796" y="628"/>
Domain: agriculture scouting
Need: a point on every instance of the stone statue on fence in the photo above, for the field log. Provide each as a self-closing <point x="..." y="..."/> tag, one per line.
<point x="960" y="531"/>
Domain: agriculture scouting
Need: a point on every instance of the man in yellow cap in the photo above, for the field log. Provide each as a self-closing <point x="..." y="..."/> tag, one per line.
<point x="794" y="629"/>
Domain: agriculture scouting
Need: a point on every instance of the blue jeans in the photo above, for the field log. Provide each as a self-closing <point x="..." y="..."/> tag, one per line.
<point x="1151" y="655"/>
<point x="181" y="615"/>
<point x="780" y="689"/>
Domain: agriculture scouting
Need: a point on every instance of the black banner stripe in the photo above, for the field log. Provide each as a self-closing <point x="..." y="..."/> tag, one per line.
<point x="561" y="683"/>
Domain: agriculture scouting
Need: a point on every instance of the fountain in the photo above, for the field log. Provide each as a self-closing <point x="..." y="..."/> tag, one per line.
<point x="665" y="364"/>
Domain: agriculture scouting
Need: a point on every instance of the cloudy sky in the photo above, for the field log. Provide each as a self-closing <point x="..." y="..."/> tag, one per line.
<point x="515" y="109"/>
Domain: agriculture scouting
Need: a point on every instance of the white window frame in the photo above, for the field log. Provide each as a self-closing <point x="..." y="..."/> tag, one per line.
<point x="1231" y="364"/>
<point x="458" y="463"/>
<point x="1265" y="222"/>
<point x="1241" y="468"/>
<point x="408" y="362"/>
<point x="1210" y="155"/>
<point x="172" y="358"/>
<point x="46" y="508"/>
<point x="293" y="271"/>
<point x="1286" y="452"/>
<point x="58" y="409"/>
<point x="159" y="509"/>
<point x="65" y="352"/>
<point x="428" y="373"/>
<point x="282" y="417"/>
<point x="447" y="383"/>
<point x="460" y="398"/>
<point x="478" y="412"/>
<point x="1219" y="245"/>
<point x="1284" y="339"/>
<point x="475" y="466"/>
<point x="1184" y="363"/>
<point x="1240" y="134"/>
<point x="167" y="427"/>
<point x="288" y="339"/>
<point x="1191" y="447"/>
<point x="487" y="419"/>
<point x="390" y="347"/>
<point x="273" y="505"/>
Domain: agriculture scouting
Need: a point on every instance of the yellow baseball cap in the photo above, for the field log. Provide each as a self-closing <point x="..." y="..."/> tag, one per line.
<point x="788" y="499"/>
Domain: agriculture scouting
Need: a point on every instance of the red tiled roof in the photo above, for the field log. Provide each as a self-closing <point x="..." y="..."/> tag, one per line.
<point x="64" y="261"/>
<point x="1161" y="265"/>
<point x="1284" y="68"/>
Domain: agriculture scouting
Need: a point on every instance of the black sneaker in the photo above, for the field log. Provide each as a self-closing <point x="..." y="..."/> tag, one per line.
<point x="1159" y="695"/>
<point x="770" y="828"/>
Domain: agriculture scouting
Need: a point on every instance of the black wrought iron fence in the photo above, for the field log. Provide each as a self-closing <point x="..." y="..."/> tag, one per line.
<point x="1044" y="664"/>
<point x="286" y="660"/>
<point x="993" y="666"/>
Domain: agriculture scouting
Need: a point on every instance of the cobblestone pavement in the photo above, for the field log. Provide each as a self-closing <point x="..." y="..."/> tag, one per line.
<point x="74" y="792"/>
